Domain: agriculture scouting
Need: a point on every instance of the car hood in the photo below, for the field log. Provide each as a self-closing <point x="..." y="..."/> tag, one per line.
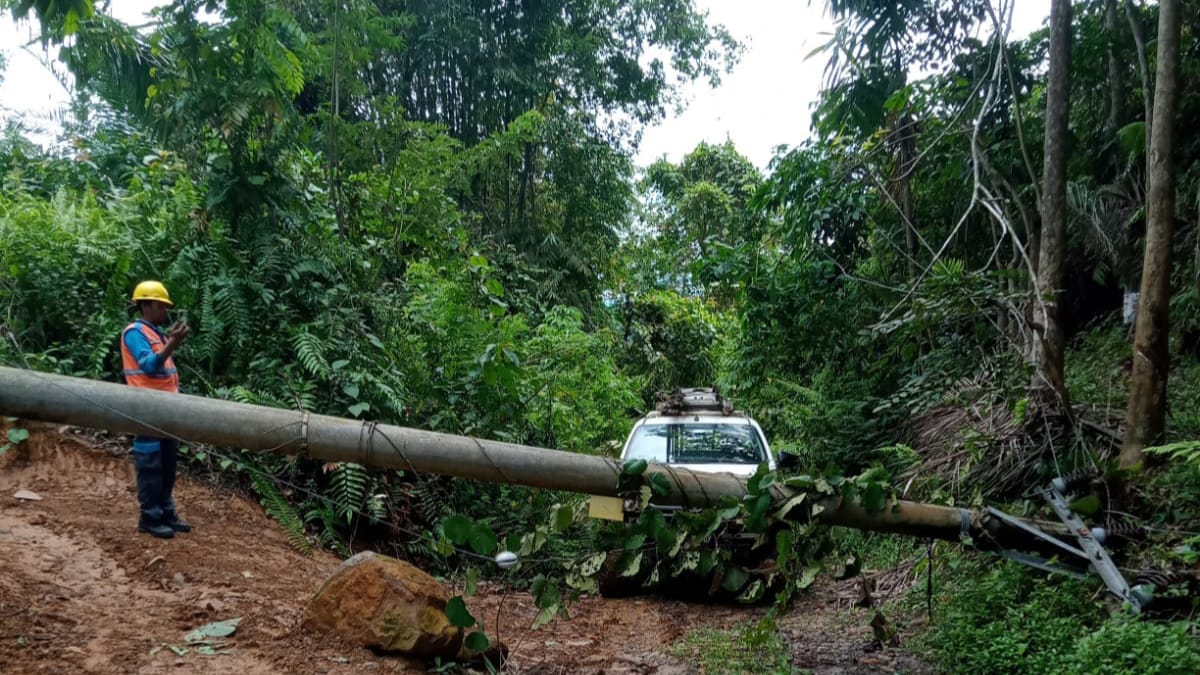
<point x="740" y="470"/>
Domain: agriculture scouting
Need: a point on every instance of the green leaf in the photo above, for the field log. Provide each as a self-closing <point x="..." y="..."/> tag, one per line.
<point x="634" y="467"/>
<point x="216" y="629"/>
<point x="457" y="613"/>
<point x="482" y="539"/>
<point x="735" y="579"/>
<point x="629" y="564"/>
<point x="790" y="504"/>
<point x="753" y="593"/>
<point x="477" y="641"/>
<point x="785" y="541"/>
<point x="757" y="508"/>
<point x="544" y="617"/>
<point x="808" y="577"/>
<point x="18" y="435"/>
<point x="644" y="494"/>
<point x="591" y="564"/>
<point x="1087" y="505"/>
<point x="689" y="561"/>
<point x="359" y="408"/>
<point x="457" y="529"/>
<point x="873" y="498"/>
<point x="755" y="484"/>
<point x="664" y="538"/>
<point x="659" y="485"/>
<point x="4" y="448"/>
<point x="545" y="593"/>
<point x="564" y="517"/>
<point x="1132" y="138"/>
<point x="801" y="482"/>
<point x="350" y="389"/>
<point x="471" y="582"/>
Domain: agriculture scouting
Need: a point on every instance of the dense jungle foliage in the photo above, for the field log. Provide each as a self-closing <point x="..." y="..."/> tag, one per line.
<point x="426" y="213"/>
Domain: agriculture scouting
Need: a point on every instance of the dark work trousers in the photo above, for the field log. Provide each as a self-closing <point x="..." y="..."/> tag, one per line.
<point x="156" y="480"/>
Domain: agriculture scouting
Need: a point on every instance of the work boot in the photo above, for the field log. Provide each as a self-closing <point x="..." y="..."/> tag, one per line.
<point x="155" y="529"/>
<point x="172" y="521"/>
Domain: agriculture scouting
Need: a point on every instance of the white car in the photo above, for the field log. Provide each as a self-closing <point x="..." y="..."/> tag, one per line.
<point x="699" y="430"/>
<point x="695" y="429"/>
<point x="701" y="440"/>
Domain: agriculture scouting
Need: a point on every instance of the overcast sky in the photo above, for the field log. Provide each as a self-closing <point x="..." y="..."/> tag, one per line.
<point x="763" y="103"/>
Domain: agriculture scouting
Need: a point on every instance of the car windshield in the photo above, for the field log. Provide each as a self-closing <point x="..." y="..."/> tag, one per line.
<point x="697" y="444"/>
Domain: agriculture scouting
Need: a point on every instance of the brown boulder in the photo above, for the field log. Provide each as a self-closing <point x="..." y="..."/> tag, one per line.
<point x="385" y="604"/>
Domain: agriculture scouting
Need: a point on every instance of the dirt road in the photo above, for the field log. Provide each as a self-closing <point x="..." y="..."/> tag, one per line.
<point x="82" y="591"/>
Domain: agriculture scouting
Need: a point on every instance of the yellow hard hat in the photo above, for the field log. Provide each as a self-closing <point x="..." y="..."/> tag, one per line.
<point x="152" y="290"/>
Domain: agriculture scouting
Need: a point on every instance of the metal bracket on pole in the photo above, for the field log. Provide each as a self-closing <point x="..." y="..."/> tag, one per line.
<point x="1042" y="564"/>
<point x="1097" y="557"/>
<point x="1090" y="552"/>
<point x="304" y="434"/>
<point x="1031" y="530"/>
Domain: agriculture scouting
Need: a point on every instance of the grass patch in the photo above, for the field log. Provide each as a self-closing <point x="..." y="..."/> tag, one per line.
<point x="1003" y="618"/>
<point x="1097" y="376"/>
<point x="746" y="648"/>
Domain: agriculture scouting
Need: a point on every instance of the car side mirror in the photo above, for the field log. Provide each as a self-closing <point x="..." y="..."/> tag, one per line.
<point x="788" y="460"/>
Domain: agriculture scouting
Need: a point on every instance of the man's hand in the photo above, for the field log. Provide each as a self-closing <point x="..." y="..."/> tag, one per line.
<point x="179" y="332"/>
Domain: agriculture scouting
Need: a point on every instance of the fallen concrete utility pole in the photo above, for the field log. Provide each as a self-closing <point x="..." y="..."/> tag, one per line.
<point x="88" y="403"/>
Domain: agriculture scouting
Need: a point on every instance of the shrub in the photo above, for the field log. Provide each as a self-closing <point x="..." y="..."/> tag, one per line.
<point x="1008" y="619"/>
<point x="1127" y="645"/>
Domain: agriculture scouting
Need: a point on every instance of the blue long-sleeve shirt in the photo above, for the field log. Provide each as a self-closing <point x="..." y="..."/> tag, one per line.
<point x="139" y="347"/>
<point x="151" y="364"/>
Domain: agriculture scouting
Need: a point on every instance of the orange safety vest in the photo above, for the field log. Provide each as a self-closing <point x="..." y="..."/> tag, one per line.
<point x="134" y="376"/>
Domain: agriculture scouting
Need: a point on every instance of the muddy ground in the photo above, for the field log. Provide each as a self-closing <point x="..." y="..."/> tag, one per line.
<point x="82" y="591"/>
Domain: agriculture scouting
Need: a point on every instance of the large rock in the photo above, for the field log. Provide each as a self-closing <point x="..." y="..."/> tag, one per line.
<point x="385" y="604"/>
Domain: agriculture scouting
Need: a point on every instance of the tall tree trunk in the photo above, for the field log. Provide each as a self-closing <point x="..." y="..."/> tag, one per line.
<point x="1139" y="42"/>
<point x="1116" y="81"/>
<point x="1054" y="205"/>
<point x="1147" y="413"/>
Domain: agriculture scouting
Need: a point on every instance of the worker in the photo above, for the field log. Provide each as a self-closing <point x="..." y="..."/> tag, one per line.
<point x="146" y="361"/>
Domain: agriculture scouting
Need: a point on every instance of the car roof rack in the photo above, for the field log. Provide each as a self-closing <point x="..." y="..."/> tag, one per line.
<point x="685" y="401"/>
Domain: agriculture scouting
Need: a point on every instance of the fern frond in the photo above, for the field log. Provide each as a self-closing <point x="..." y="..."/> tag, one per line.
<point x="311" y="354"/>
<point x="278" y="508"/>
<point x="349" y="485"/>
<point x="329" y="536"/>
<point x="231" y="310"/>
<point x="377" y="507"/>
<point x="1186" y="451"/>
